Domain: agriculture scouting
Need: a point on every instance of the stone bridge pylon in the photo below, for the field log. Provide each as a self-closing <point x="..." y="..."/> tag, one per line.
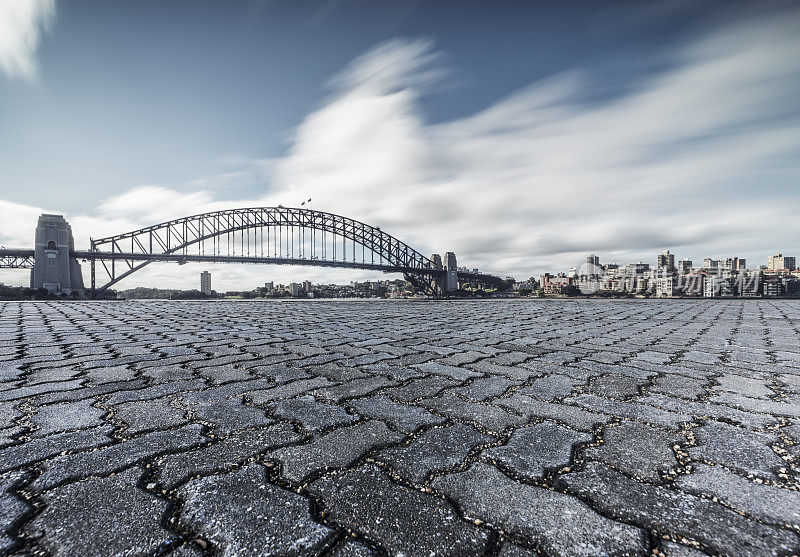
<point x="55" y="268"/>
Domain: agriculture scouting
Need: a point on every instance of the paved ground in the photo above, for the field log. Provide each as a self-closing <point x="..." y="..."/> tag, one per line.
<point x="407" y="428"/>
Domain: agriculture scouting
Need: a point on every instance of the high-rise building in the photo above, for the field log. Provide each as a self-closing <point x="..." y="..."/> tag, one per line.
<point x="666" y="260"/>
<point x="269" y="285"/>
<point x="592" y="259"/>
<point x="685" y="266"/>
<point x="294" y="289"/>
<point x="307" y="286"/>
<point x="709" y="264"/>
<point x="205" y="283"/>
<point x="780" y="262"/>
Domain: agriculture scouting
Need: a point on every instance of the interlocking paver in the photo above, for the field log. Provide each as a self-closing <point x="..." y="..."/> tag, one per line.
<point x="529" y="512"/>
<point x="62" y="531"/>
<point x="772" y="504"/>
<point x="715" y="527"/>
<point x="533" y="450"/>
<point x="637" y="449"/>
<point x="241" y="513"/>
<point x="406" y="418"/>
<point x="402" y="520"/>
<point x="55" y="418"/>
<point x="311" y="414"/>
<point x="12" y="507"/>
<point x="566" y="426"/>
<point x="436" y="449"/>
<point x="222" y="455"/>
<point x="337" y="449"/>
<point x="748" y="452"/>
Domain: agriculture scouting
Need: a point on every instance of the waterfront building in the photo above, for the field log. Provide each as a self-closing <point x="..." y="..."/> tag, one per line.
<point x="666" y="260"/>
<point x="719" y="287"/>
<point x="205" y="283"/>
<point x="685" y="266"/>
<point x="781" y="262"/>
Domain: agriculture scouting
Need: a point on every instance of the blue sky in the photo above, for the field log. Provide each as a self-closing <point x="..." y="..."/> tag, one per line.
<point x="520" y="135"/>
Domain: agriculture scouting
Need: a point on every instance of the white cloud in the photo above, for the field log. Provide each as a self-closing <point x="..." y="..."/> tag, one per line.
<point x="22" y="23"/>
<point x="680" y="161"/>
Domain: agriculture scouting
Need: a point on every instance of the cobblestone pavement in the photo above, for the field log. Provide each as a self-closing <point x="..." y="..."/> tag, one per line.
<point x="404" y="428"/>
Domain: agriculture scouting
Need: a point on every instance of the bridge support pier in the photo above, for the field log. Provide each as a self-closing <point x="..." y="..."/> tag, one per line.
<point x="54" y="267"/>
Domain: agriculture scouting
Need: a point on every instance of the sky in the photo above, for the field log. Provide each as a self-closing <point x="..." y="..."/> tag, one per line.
<point x="520" y="135"/>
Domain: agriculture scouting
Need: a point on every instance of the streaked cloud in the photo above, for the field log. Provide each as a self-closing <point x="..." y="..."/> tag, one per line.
<point x="22" y="23"/>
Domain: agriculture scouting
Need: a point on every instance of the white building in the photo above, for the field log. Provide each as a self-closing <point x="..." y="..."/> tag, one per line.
<point x="779" y="262"/>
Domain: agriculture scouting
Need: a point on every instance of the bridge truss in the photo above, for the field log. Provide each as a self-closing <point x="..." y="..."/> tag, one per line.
<point x="16" y="258"/>
<point x="272" y="235"/>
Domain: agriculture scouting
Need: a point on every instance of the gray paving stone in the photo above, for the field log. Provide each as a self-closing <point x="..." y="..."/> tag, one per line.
<point x="631" y="410"/>
<point x="485" y="388"/>
<point x="437" y="449"/>
<point x="491" y="418"/>
<point x="289" y="390"/>
<point x="401" y="520"/>
<point x="228" y="416"/>
<point x="56" y="418"/>
<point x="741" y="450"/>
<point x="406" y="418"/>
<point x="552" y="521"/>
<point x="147" y="415"/>
<point x="312" y="415"/>
<point x="551" y="387"/>
<point x="679" y="385"/>
<point x="222" y="455"/>
<point x="665" y="511"/>
<point x="576" y="418"/>
<point x="745" y="386"/>
<point x="749" y="420"/>
<point x="350" y="548"/>
<point x="421" y="388"/>
<point x="637" y="449"/>
<point x="18" y="393"/>
<point x="115" y="457"/>
<point x="12" y="508"/>
<point x="453" y="372"/>
<point x="354" y="388"/>
<point x="79" y="519"/>
<point x="757" y="405"/>
<point x="774" y="505"/>
<point x="24" y="454"/>
<point x="509" y="549"/>
<point x="616" y="385"/>
<point x="241" y="513"/>
<point x="8" y="413"/>
<point x="335" y="450"/>
<point x="531" y="451"/>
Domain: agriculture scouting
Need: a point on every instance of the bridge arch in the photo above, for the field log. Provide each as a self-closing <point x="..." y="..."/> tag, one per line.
<point x="301" y="234"/>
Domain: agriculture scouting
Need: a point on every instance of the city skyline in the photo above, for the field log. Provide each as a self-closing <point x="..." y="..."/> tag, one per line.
<point x="686" y="144"/>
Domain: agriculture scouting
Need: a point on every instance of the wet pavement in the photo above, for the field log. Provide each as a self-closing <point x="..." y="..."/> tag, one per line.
<point x="509" y="428"/>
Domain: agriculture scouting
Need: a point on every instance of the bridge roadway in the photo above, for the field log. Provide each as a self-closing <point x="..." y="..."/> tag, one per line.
<point x="23" y="259"/>
<point x="394" y="427"/>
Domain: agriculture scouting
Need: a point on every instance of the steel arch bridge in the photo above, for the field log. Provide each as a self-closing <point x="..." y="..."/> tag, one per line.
<point x="272" y="235"/>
